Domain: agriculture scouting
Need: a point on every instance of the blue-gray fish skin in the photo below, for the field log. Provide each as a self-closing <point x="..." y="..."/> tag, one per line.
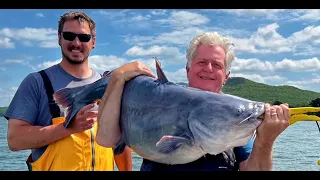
<point x="172" y="124"/>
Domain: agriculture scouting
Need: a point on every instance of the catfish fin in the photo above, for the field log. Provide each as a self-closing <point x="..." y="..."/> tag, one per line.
<point x="66" y="96"/>
<point x="71" y="112"/>
<point x="170" y="144"/>
<point x="161" y="76"/>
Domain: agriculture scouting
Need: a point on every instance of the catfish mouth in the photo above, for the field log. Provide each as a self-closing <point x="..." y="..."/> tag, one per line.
<point x="255" y="116"/>
<point x="257" y="111"/>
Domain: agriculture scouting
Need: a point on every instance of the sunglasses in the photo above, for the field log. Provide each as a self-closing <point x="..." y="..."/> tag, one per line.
<point x="70" y="36"/>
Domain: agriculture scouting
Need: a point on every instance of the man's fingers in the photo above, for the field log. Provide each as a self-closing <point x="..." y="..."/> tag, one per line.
<point x="286" y="111"/>
<point x="147" y="71"/>
<point x="91" y="114"/>
<point x="267" y="111"/>
<point x="273" y="112"/>
<point x="87" y="124"/>
<point x="279" y="111"/>
<point x="85" y="108"/>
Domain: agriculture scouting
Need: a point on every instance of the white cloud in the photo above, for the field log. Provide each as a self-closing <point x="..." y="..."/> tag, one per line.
<point x="305" y="81"/>
<point x="158" y="12"/>
<point x="312" y="84"/>
<point x="126" y="19"/>
<point x="150" y="63"/>
<point x="305" y="50"/>
<point x="177" y="76"/>
<point x="289" y="15"/>
<point x="47" y="64"/>
<point x="266" y="39"/>
<point x="253" y="77"/>
<point x="49" y="44"/>
<point x="304" y="65"/>
<point x="113" y="13"/>
<point x="251" y="65"/>
<point x="105" y="63"/>
<point x="316" y="75"/>
<point x="171" y="52"/>
<point x="98" y="62"/>
<point x="27" y="33"/>
<point x="140" y="18"/>
<point x="6" y="43"/>
<point x="306" y="15"/>
<point x="285" y="65"/>
<point x="177" y="37"/>
<point x="309" y="33"/>
<point x="184" y="19"/>
<point x="137" y="39"/>
<point x="46" y="36"/>
<point x="274" y="78"/>
<point x="271" y="14"/>
<point x="253" y="12"/>
<point x="12" y="61"/>
<point x="39" y="15"/>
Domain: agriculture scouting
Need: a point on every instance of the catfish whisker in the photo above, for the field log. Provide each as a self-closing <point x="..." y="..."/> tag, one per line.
<point x="244" y="120"/>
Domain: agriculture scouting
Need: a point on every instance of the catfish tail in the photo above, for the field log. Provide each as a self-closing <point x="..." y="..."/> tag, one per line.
<point x="76" y="97"/>
<point x="66" y="96"/>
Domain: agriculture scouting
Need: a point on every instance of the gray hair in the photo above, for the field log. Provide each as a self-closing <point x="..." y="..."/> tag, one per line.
<point x="211" y="38"/>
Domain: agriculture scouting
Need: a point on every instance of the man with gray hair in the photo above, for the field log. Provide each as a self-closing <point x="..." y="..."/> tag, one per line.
<point x="209" y="59"/>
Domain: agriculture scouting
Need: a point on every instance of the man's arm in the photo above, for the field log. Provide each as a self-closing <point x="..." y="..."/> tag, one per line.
<point x="260" y="158"/>
<point x="109" y="134"/>
<point x="23" y="112"/>
<point x="22" y="135"/>
<point x="276" y="121"/>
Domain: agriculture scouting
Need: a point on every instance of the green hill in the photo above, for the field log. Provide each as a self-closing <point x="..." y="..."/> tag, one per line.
<point x="261" y="92"/>
<point x="2" y="111"/>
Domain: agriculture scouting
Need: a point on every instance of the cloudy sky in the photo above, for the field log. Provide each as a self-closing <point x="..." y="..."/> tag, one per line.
<point x="275" y="47"/>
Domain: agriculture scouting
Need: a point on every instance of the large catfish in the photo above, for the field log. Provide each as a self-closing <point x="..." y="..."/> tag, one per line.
<point x="169" y="123"/>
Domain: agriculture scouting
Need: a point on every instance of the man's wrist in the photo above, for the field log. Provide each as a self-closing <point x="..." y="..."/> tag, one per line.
<point x="263" y="143"/>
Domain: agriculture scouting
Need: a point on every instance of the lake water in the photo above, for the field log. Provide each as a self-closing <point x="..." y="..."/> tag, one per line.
<point x="298" y="148"/>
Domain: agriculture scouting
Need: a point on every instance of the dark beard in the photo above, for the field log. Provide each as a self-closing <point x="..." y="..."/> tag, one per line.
<point x="71" y="61"/>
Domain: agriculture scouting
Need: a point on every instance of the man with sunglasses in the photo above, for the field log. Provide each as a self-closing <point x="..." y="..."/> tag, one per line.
<point x="35" y="122"/>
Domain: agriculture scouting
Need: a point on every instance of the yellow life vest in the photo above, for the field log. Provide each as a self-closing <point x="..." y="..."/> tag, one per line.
<point x="77" y="152"/>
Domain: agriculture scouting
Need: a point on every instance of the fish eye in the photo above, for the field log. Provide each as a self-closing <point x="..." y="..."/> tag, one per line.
<point x="240" y="109"/>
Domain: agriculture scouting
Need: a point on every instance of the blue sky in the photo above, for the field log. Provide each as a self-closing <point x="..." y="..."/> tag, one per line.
<point x="275" y="47"/>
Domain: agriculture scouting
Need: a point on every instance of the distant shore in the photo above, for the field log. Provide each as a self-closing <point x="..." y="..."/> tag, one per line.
<point x="3" y="111"/>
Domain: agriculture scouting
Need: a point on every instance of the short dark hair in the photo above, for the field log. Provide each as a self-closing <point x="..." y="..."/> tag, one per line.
<point x="81" y="16"/>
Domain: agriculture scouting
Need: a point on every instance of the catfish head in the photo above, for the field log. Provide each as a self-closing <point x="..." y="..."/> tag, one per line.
<point x="223" y="121"/>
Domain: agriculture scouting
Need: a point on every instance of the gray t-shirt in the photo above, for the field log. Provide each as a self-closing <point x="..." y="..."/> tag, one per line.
<point x="30" y="102"/>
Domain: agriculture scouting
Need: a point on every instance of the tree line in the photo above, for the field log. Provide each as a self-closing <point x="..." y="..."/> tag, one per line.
<point x="313" y="103"/>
